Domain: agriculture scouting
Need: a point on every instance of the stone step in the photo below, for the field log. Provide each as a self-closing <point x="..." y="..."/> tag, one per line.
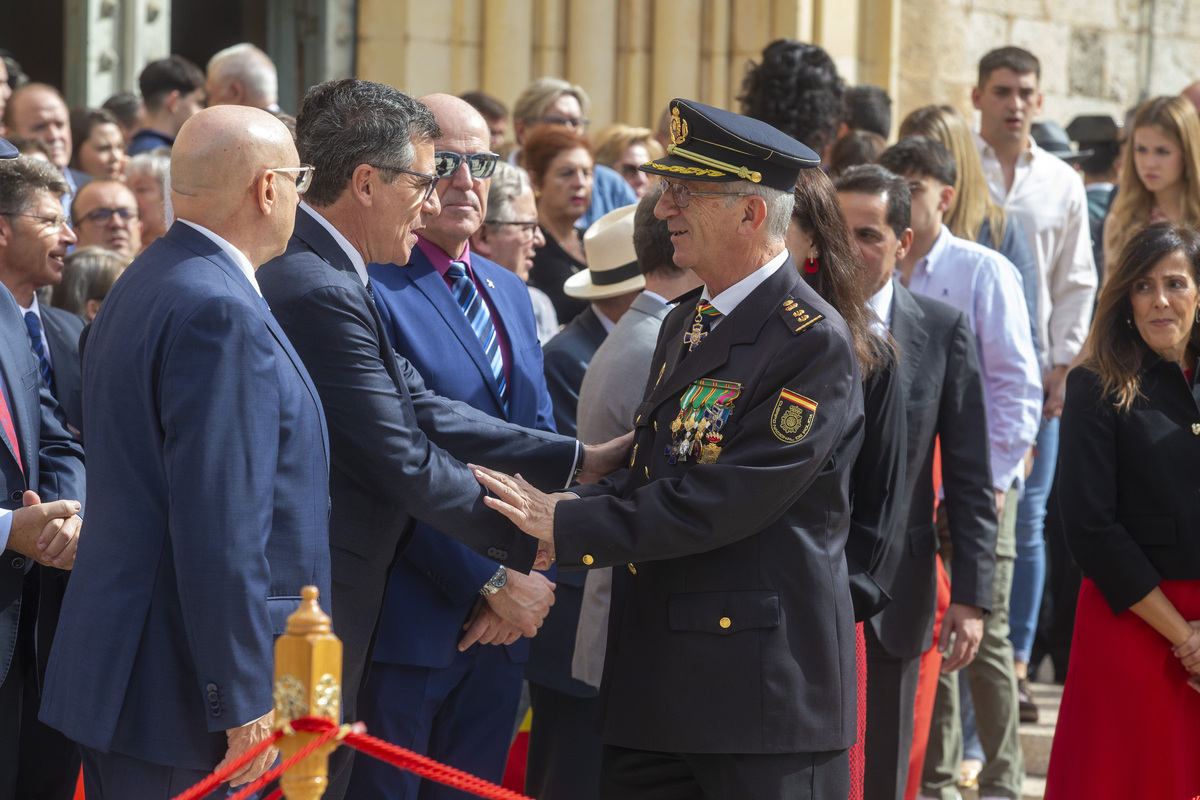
<point x="1034" y="788"/>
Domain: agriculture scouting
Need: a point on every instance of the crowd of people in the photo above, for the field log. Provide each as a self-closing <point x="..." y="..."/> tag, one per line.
<point x="763" y="454"/>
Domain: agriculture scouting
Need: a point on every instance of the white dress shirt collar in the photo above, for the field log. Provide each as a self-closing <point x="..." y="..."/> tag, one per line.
<point x="880" y="306"/>
<point x="732" y="297"/>
<point x="237" y="256"/>
<point x="356" y="259"/>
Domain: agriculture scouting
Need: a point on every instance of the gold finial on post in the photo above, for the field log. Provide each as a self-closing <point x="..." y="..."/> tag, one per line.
<point x="308" y="669"/>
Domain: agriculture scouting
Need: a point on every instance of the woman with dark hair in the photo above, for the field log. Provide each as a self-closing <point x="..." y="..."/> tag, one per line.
<point x="560" y="165"/>
<point x="98" y="144"/>
<point x="830" y="262"/>
<point x="796" y="88"/>
<point x="1129" y="454"/>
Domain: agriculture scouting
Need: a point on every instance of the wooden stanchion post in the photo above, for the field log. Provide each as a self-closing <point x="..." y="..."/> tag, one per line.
<point x="308" y="683"/>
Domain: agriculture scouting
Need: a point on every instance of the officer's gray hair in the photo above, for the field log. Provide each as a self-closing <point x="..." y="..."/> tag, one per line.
<point x="779" y="206"/>
<point x="508" y="183"/>
<point x="347" y="122"/>
<point x="22" y="178"/>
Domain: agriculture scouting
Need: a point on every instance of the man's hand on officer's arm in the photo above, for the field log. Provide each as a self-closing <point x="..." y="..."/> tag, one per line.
<point x="601" y="459"/>
<point x="531" y="510"/>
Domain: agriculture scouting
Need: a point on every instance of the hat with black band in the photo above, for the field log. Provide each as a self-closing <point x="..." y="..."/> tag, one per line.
<point x="710" y="144"/>
<point x="612" y="263"/>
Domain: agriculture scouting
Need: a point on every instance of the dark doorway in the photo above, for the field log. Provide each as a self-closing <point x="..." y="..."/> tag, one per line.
<point x="33" y="34"/>
<point x="199" y="28"/>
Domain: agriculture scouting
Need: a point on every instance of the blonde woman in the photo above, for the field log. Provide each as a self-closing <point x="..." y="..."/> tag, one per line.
<point x="1160" y="173"/>
<point x="624" y="148"/>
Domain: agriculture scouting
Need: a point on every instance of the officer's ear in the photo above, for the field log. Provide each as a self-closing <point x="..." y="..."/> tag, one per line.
<point x="754" y="214"/>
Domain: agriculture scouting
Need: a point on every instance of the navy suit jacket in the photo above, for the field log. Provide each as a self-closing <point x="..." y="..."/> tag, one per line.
<point x="51" y="460"/>
<point x="62" y="332"/>
<point x="567" y="357"/>
<point x="209" y="466"/>
<point x="394" y="442"/>
<point x="436" y="582"/>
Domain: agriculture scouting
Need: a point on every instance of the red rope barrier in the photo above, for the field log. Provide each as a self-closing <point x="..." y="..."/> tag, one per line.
<point x="424" y="766"/>
<point x="205" y="786"/>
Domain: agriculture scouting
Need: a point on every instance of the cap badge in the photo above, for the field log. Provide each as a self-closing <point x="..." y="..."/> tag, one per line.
<point x="679" y="127"/>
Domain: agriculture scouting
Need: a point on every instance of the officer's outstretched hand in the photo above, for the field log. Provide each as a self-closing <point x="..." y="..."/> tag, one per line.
<point x="514" y="497"/>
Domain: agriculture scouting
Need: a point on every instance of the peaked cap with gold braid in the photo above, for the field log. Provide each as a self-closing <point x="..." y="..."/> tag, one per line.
<point x="709" y="144"/>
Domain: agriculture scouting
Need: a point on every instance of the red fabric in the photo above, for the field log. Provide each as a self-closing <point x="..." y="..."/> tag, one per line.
<point x="1129" y="725"/>
<point x="857" y="758"/>
<point x="6" y="421"/>
<point x="514" y="769"/>
<point x="927" y="683"/>
<point x="79" y="787"/>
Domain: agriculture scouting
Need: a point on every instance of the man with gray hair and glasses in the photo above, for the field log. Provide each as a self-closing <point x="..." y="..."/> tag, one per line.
<point x="393" y="442"/>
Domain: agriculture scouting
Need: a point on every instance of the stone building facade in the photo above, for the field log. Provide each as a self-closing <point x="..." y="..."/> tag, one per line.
<point x="632" y="56"/>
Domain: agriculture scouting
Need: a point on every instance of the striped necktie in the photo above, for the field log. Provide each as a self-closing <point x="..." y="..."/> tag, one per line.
<point x="705" y="316"/>
<point x="34" y="325"/>
<point x="480" y="319"/>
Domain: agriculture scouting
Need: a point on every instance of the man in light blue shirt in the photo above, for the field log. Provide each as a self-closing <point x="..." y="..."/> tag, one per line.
<point x="987" y="287"/>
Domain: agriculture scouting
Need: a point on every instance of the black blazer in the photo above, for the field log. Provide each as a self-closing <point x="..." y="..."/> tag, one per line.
<point x="736" y="634"/>
<point x="877" y="483"/>
<point x="62" y="332"/>
<point x="943" y="390"/>
<point x="393" y="443"/>
<point x="1127" y="482"/>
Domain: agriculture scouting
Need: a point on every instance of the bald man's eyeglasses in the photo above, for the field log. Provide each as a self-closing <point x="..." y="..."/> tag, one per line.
<point x="429" y="184"/>
<point x="481" y="165"/>
<point x="303" y="175"/>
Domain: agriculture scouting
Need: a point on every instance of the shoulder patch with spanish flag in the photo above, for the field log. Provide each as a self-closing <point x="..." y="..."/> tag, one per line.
<point x="792" y="417"/>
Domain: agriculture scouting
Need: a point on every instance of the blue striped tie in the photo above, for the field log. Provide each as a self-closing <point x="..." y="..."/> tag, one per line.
<point x="34" y="324"/>
<point x="480" y="318"/>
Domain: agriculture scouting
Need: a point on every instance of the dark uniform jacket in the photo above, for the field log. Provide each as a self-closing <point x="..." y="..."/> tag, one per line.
<point x="732" y="631"/>
<point x="1129" y="483"/>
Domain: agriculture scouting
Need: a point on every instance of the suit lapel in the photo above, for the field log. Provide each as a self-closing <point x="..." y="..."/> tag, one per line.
<point x="740" y="327"/>
<point x="427" y="280"/>
<point x="26" y="417"/>
<point x="909" y="333"/>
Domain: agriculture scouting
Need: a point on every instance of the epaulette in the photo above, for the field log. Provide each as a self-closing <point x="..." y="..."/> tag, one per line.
<point x="796" y="318"/>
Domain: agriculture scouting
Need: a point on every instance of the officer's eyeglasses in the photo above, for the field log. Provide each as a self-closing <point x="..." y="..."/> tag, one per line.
<point x="303" y="175"/>
<point x="105" y="216"/>
<point x="682" y="195"/>
<point x="429" y="184"/>
<point x="54" y="225"/>
<point x="481" y="165"/>
<point x="571" y="122"/>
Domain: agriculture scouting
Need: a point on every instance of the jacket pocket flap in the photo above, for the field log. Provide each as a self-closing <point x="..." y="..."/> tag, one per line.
<point x="1151" y="530"/>
<point x="723" y="612"/>
<point x="280" y="608"/>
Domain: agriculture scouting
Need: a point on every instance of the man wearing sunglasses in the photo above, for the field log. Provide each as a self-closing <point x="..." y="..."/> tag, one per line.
<point x="105" y="214"/>
<point x="465" y="323"/>
<point x="397" y="447"/>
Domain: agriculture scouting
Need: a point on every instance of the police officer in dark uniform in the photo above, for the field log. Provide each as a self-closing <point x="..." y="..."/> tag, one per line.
<point x="730" y="663"/>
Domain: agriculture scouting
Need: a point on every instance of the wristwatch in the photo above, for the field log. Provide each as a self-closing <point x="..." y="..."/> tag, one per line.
<point x="495" y="583"/>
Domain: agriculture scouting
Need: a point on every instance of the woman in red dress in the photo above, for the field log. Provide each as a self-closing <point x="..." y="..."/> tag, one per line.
<point x="1129" y="469"/>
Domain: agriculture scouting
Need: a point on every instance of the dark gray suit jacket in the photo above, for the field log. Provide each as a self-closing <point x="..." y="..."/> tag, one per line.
<point x="393" y="442"/>
<point x="943" y="390"/>
<point x="62" y="332"/>
<point x="566" y="357"/>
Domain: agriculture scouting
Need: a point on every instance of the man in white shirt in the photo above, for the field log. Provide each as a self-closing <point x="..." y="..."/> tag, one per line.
<point x="1049" y="198"/>
<point x="986" y="286"/>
